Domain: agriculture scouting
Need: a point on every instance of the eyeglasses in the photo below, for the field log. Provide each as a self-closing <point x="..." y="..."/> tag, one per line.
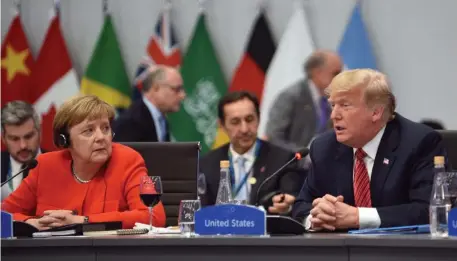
<point x="177" y="89"/>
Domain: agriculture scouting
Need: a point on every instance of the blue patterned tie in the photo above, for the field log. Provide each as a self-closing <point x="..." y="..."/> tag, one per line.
<point x="324" y="115"/>
<point x="163" y="128"/>
<point x="242" y="195"/>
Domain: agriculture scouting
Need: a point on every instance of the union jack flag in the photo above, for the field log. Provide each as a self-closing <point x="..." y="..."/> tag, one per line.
<point x="163" y="49"/>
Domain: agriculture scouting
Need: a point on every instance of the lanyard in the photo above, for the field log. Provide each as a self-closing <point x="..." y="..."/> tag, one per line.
<point x="236" y="190"/>
<point x="8" y="175"/>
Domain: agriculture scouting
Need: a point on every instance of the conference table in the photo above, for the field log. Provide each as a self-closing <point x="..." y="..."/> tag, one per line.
<point x="315" y="247"/>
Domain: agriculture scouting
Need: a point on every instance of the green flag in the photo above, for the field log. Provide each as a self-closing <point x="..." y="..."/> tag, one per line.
<point x="105" y="75"/>
<point x="204" y="84"/>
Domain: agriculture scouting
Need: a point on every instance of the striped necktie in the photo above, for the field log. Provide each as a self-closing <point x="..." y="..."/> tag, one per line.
<point x="362" y="194"/>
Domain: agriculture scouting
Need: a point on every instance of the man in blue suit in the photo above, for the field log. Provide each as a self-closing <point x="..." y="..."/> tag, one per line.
<point x="374" y="169"/>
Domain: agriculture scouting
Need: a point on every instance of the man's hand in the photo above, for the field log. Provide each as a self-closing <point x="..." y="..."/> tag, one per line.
<point x="62" y="217"/>
<point x="346" y="216"/>
<point x="282" y="204"/>
<point x="323" y="213"/>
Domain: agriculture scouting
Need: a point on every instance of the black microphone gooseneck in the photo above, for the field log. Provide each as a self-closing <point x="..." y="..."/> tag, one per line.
<point x="30" y="165"/>
<point x="299" y="155"/>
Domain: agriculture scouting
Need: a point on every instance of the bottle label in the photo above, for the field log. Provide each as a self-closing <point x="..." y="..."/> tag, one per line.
<point x="230" y="219"/>
<point x="452" y="222"/>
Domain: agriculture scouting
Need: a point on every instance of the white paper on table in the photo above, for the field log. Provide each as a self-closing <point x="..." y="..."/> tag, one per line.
<point x="159" y="230"/>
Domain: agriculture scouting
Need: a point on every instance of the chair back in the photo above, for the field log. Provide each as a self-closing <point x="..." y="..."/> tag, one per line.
<point x="177" y="165"/>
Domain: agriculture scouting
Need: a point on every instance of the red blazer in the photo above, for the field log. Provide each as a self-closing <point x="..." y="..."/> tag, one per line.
<point x="110" y="196"/>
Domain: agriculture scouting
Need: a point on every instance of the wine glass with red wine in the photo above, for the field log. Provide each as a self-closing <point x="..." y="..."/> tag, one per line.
<point x="150" y="193"/>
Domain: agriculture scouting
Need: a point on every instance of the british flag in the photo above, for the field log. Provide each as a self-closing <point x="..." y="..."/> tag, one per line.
<point x="163" y="48"/>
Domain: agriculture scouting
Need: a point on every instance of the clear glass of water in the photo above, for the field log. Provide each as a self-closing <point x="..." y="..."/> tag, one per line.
<point x="186" y="218"/>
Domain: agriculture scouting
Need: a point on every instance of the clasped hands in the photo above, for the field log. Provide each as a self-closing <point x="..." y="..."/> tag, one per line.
<point x="55" y="218"/>
<point x="332" y="213"/>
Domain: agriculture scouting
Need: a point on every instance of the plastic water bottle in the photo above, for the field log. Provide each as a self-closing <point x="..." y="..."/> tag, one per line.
<point x="224" y="192"/>
<point x="440" y="203"/>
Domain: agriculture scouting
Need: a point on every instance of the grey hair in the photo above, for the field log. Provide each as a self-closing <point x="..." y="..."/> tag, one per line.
<point x="316" y="60"/>
<point x="18" y="112"/>
<point x="152" y="78"/>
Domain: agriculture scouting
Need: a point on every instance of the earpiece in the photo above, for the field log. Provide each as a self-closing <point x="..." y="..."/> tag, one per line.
<point x="63" y="140"/>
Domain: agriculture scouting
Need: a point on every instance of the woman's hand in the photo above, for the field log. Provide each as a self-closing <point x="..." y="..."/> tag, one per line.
<point x="62" y="217"/>
<point x="42" y="223"/>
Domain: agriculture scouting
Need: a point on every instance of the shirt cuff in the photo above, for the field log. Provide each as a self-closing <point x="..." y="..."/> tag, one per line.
<point x="369" y="218"/>
<point x="308" y="224"/>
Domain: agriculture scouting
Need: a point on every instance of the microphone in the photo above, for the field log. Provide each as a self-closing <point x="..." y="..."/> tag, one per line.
<point x="30" y="165"/>
<point x="298" y="156"/>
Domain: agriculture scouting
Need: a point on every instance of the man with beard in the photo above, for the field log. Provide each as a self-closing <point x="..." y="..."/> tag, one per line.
<point x="22" y="135"/>
<point x="252" y="160"/>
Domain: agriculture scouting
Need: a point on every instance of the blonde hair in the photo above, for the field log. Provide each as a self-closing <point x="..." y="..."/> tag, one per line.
<point x="78" y="109"/>
<point x="375" y="85"/>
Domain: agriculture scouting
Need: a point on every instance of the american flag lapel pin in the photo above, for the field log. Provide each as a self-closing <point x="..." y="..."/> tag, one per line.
<point x="262" y="169"/>
<point x="386" y="161"/>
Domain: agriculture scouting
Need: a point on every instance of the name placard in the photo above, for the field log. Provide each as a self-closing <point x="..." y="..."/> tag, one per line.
<point x="7" y="225"/>
<point x="229" y="219"/>
<point x="452" y="222"/>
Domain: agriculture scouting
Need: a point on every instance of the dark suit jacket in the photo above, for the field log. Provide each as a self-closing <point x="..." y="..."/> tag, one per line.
<point x="6" y="166"/>
<point x="270" y="159"/>
<point x="292" y="119"/>
<point x="136" y="124"/>
<point x="400" y="190"/>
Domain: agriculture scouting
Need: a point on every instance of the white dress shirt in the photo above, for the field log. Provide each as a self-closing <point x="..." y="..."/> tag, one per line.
<point x="249" y="162"/>
<point x="15" y="167"/>
<point x="368" y="217"/>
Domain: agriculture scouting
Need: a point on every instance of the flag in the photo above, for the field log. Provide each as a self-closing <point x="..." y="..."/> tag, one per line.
<point x="355" y="47"/>
<point x="163" y="48"/>
<point x="286" y="68"/>
<point x="204" y="84"/>
<point x="105" y="75"/>
<point x="53" y="80"/>
<point x="250" y="73"/>
<point x="17" y="63"/>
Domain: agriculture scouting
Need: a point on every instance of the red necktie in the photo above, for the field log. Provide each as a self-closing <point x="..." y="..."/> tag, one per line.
<point x="362" y="195"/>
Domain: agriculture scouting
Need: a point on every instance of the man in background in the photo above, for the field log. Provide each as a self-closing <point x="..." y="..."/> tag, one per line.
<point x="145" y="120"/>
<point x="21" y="134"/>
<point x="302" y="110"/>
<point x="251" y="160"/>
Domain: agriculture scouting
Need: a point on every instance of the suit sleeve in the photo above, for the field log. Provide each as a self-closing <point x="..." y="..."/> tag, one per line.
<point x="279" y="119"/>
<point x="126" y="130"/>
<point x="137" y="211"/>
<point x="420" y="187"/>
<point x="308" y="192"/>
<point x="22" y="202"/>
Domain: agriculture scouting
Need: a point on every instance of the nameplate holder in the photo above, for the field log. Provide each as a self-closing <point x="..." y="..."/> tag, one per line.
<point x="7" y="225"/>
<point x="230" y="219"/>
<point x="452" y="222"/>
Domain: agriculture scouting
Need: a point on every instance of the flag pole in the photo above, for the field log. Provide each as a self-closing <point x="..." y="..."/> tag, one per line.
<point x="201" y="6"/>
<point x="57" y="7"/>
<point x="17" y="6"/>
<point x="167" y="5"/>
<point x="105" y="7"/>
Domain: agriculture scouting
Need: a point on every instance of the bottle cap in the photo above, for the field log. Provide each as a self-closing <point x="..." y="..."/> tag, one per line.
<point x="225" y="163"/>
<point x="438" y="160"/>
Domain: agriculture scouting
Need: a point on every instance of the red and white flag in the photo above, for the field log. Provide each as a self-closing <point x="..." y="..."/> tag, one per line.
<point x="53" y="79"/>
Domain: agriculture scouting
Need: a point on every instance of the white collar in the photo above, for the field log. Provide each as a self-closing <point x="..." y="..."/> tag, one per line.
<point x="314" y="92"/>
<point x="248" y="155"/>
<point x="371" y="148"/>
